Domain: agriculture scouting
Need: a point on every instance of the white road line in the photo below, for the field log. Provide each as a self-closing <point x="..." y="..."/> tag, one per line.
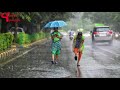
<point x="116" y="49"/>
<point x="104" y="55"/>
<point x="109" y="51"/>
<point x="99" y="53"/>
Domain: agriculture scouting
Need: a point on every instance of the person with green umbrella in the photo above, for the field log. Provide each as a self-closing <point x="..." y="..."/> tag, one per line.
<point x="56" y="37"/>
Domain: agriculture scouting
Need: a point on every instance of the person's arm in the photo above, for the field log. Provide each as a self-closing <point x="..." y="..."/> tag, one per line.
<point x="52" y="36"/>
<point x="60" y="37"/>
<point x="82" y="42"/>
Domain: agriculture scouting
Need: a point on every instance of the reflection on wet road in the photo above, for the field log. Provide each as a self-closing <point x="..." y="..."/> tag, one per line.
<point x="78" y="73"/>
<point x="101" y="60"/>
<point x="98" y="61"/>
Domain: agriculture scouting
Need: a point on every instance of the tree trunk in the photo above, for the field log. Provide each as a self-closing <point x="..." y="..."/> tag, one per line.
<point x="0" y="24"/>
<point x="3" y="26"/>
<point x="38" y="27"/>
<point x="15" y="33"/>
<point x="29" y="28"/>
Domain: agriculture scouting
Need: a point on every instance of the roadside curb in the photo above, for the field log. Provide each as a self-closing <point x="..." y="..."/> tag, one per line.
<point x="28" y="45"/>
<point x="14" y="49"/>
<point x="7" y="53"/>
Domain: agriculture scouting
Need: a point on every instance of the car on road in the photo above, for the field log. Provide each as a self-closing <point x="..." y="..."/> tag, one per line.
<point x="102" y="34"/>
<point x="19" y="29"/>
<point x="116" y="35"/>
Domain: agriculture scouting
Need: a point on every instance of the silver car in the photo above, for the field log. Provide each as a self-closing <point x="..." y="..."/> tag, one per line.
<point x="102" y="34"/>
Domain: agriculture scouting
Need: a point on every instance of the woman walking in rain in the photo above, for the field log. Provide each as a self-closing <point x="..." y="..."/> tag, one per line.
<point x="78" y="47"/>
<point x="56" y="45"/>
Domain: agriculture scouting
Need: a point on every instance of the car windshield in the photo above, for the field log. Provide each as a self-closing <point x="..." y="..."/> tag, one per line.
<point x="104" y="29"/>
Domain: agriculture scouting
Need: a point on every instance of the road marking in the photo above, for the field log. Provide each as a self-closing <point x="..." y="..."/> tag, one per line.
<point x="108" y="51"/>
<point x="97" y="53"/>
<point x="104" y="55"/>
<point x="101" y="53"/>
<point x="4" y="63"/>
<point x="116" y="49"/>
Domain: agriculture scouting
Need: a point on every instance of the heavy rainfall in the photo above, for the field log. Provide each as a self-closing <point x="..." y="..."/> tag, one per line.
<point x="25" y="45"/>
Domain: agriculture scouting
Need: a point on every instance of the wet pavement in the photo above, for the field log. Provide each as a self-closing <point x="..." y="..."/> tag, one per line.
<point x="99" y="61"/>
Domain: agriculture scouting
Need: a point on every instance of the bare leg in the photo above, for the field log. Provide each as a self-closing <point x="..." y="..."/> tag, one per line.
<point x="76" y="54"/>
<point x="79" y="58"/>
<point x="53" y="58"/>
<point x="56" y="59"/>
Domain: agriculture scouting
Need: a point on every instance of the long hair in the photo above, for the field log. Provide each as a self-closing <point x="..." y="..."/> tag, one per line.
<point x="79" y="33"/>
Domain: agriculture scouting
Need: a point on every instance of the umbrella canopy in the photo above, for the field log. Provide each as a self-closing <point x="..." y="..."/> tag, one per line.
<point x="48" y="25"/>
<point x="56" y="23"/>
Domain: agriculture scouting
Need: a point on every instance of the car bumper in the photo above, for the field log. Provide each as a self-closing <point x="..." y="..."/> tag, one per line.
<point x="103" y="39"/>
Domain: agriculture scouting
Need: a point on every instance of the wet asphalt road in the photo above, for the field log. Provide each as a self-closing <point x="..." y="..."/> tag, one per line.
<point x="99" y="61"/>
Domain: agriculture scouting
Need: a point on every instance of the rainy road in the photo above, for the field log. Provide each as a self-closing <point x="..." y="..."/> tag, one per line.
<point x="99" y="61"/>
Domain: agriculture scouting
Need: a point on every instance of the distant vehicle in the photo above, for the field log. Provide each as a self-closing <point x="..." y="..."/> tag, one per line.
<point x="102" y="34"/>
<point x="116" y="35"/>
<point x="71" y="35"/>
<point x="87" y="34"/>
<point x="19" y="29"/>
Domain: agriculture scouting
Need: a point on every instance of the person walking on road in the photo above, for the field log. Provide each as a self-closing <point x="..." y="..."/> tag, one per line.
<point x="56" y="37"/>
<point x="78" y="47"/>
<point x="71" y="35"/>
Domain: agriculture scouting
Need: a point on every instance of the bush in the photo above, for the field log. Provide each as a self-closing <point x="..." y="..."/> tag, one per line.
<point x="21" y="38"/>
<point x="40" y="35"/>
<point x="27" y="39"/>
<point x="6" y="40"/>
<point x="47" y="35"/>
<point x="9" y="38"/>
<point x="1" y="42"/>
<point x="43" y="35"/>
<point x="34" y="37"/>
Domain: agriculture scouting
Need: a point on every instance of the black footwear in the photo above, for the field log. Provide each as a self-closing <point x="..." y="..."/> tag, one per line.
<point x="78" y="65"/>
<point x="75" y="58"/>
<point x="52" y="62"/>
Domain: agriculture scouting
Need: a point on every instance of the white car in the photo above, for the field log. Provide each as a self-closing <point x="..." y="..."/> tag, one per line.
<point x="19" y="29"/>
<point x="102" y="34"/>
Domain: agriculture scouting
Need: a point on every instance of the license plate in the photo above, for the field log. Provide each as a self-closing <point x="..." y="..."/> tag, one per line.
<point x="102" y="34"/>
